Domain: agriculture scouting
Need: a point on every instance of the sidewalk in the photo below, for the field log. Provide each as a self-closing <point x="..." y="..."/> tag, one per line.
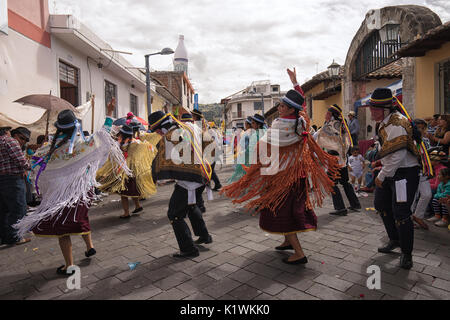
<point x="241" y="263"/>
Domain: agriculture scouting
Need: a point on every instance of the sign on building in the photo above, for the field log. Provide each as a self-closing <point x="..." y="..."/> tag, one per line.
<point x="4" y="16"/>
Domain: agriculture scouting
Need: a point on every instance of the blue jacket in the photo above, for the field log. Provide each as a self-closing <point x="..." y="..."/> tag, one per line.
<point x="443" y="190"/>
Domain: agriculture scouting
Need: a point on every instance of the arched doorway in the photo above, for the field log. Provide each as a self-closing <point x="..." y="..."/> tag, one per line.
<point x="367" y="53"/>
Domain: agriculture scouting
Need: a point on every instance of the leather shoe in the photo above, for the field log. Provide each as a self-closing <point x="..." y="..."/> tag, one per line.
<point x="90" y="252"/>
<point x="193" y="253"/>
<point x="288" y="247"/>
<point x="406" y="261"/>
<point x="389" y="247"/>
<point x="342" y="212"/>
<point x="203" y="240"/>
<point x="355" y="208"/>
<point x="64" y="272"/>
<point x="298" y="261"/>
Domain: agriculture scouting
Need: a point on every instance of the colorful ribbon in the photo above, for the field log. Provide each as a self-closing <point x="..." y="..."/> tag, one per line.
<point x="427" y="168"/>
<point x="345" y="125"/>
<point x="205" y="168"/>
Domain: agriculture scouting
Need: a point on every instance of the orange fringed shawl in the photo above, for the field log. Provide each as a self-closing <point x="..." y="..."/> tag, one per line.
<point x="301" y="159"/>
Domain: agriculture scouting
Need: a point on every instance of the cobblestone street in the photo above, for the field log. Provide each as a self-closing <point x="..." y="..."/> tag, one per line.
<point x="241" y="263"/>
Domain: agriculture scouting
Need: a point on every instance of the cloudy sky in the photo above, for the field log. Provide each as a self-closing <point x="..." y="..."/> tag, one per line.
<point x="234" y="42"/>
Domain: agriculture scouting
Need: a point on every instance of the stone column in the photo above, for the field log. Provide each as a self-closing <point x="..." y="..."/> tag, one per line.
<point x="408" y="86"/>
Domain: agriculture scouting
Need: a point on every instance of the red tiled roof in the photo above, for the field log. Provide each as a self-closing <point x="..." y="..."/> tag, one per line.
<point x="318" y="78"/>
<point x="392" y="70"/>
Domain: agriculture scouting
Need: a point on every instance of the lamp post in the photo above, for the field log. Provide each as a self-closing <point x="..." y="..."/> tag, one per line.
<point x="164" y="51"/>
<point x="333" y="71"/>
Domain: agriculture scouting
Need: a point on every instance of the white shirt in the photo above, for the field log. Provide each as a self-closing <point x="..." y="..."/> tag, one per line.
<point x="399" y="159"/>
<point x="356" y="162"/>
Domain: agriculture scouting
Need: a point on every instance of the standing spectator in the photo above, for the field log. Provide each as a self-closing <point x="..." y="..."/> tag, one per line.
<point x="13" y="164"/>
<point x="442" y="135"/>
<point x="356" y="167"/>
<point x="443" y="191"/>
<point x="353" y="126"/>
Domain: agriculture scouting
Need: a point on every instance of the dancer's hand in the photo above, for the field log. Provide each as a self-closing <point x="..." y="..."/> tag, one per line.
<point x="378" y="183"/>
<point x="111" y="106"/>
<point x="292" y="76"/>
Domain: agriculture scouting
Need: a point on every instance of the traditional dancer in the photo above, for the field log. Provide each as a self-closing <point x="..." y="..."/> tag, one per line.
<point x="139" y="155"/>
<point x="282" y="197"/>
<point x="198" y="118"/>
<point x="335" y="138"/>
<point x="189" y="177"/>
<point x="66" y="180"/>
<point x="397" y="182"/>
<point x="244" y="151"/>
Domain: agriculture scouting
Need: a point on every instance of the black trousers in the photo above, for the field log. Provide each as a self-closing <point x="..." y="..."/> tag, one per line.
<point x="396" y="216"/>
<point x="199" y="197"/>
<point x="214" y="176"/>
<point x="178" y="210"/>
<point x="338" y="202"/>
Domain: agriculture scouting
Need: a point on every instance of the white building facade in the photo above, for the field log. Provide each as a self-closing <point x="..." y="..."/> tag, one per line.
<point x="43" y="53"/>
<point x="259" y="97"/>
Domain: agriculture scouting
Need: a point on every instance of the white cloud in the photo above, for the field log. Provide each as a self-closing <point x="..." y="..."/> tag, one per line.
<point x="232" y="43"/>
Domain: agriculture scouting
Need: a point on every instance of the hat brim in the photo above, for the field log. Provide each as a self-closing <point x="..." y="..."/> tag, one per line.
<point x="257" y="120"/>
<point x="64" y="126"/>
<point x="291" y="103"/>
<point x="197" y="114"/>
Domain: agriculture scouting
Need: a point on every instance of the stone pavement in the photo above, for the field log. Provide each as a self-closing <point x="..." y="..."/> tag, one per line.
<point x="241" y="263"/>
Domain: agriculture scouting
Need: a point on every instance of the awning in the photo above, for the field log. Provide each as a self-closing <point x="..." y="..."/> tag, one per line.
<point x="395" y="87"/>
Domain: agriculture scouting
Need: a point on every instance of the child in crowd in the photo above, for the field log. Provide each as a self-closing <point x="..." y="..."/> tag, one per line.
<point x="439" y="207"/>
<point x="436" y="158"/>
<point x="356" y="167"/>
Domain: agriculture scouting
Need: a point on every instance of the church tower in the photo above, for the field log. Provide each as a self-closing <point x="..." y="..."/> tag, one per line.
<point x="180" y="59"/>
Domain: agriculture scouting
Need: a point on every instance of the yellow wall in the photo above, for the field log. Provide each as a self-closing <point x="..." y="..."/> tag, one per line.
<point x="320" y="107"/>
<point x="426" y="80"/>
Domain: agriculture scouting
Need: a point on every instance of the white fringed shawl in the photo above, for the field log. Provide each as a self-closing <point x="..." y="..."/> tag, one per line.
<point x="69" y="178"/>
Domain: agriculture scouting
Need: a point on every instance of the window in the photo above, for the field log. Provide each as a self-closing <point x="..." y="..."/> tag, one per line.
<point x="374" y="55"/>
<point x="444" y="87"/>
<point x="110" y="92"/>
<point x="239" y="110"/>
<point x="275" y="89"/>
<point x="257" y="105"/>
<point x="134" y="104"/>
<point x="68" y="83"/>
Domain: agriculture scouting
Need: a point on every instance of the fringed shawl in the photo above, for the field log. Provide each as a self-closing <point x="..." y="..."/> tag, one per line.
<point x="69" y="178"/>
<point x="299" y="157"/>
<point x="140" y="157"/>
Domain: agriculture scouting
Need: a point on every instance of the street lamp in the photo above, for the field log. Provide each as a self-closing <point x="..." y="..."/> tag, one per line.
<point x="389" y="32"/>
<point x="333" y="72"/>
<point x="164" y="51"/>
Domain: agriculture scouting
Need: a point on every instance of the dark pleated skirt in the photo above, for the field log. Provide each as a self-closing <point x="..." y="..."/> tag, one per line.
<point x="131" y="189"/>
<point x="292" y="216"/>
<point x="72" y="221"/>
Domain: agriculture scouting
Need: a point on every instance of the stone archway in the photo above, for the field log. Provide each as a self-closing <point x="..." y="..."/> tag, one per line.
<point x="414" y="21"/>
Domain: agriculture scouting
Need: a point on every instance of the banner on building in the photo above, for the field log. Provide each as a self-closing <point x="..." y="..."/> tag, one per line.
<point x="4" y="16"/>
<point x="196" y="101"/>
